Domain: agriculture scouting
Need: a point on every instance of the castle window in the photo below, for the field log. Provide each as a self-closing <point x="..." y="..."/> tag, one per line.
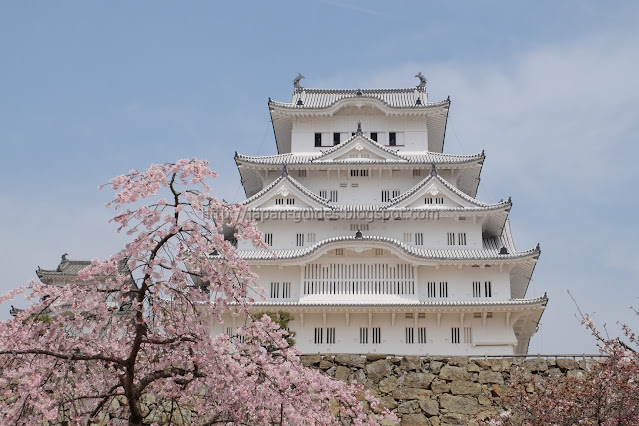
<point x="359" y="172"/>
<point x="439" y="200"/>
<point x="336" y="138"/>
<point x="339" y="252"/>
<point x="290" y="201"/>
<point x="468" y="335"/>
<point x="286" y="290"/>
<point x="301" y="173"/>
<point x="275" y="290"/>
<point x="421" y="335"/>
<point x="388" y="194"/>
<point x="451" y="238"/>
<point x="419" y="239"/>
<point x="374" y="136"/>
<point x="410" y="335"/>
<point x="417" y="172"/>
<point x="229" y="331"/>
<point x="428" y="200"/>
<point x="300" y="240"/>
<point x="268" y="239"/>
<point x="310" y="237"/>
<point x="330" y="195"/>
<point x="443" y="289"/>
<point x="318" y="139"/>
<point x="461" y="238"/>
<point x="408" y="237"/>
<point x="330" y="335"/>
<point x="379" y="252"/>
<point x="432" y="285"/>
<point x="392" y="138"/>
<point x="279" y="201"/>
<point x="377" y="335"/>
<point x="359" y="226"/>
<point x="319" y="335"/>
<point x="363" y="335"/>
<point x="454" y="335"/>
<point x="476" y="288"/>
<point x="488" y="290"/>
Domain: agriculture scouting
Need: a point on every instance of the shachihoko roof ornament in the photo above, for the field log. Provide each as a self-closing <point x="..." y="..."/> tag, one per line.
<point x="422" y="81"/>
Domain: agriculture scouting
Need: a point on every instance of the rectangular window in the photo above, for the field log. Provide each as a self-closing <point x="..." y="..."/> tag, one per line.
<point x="392" y="138"/>
<point x="468" y="335"/>
<point x="279" y="201"/>
<point x="488" y="290"/>
<point x="275" y="290"/>
<point x="229" y="331"/>
<point x="336" y="138"/>
<point x="290" y="201"/>
<point x="389" y="194"/>
<point x="268" y="239"/>
<point x="379" y="252"/>
<point x="451" y="238"/>
<point x="417" y="172"/>
<point x="461" y="238"/>
<point x="319" y="335"/>
<point x="359" y="172"/>
<point x="476" y="288"/>
<point x="301" y="173"/>
<point x="363" y="335"/>
<point x="339" y="252"/>
<point x="333" y="196"/>
<point x="439" y="200"/>
<point x="454" y="335"/>
<point x="410" y="335"/>
<point x="359" y="226"/>
<point x="300" y="240"/>
<point x="286" y="290"/>
<point x="330" y="335"/>
<point x="421" y="335"/>
<point x="443" y="289"/>
<point x="432" y="286"/>
<point x="318" y="139"/>
<point x="374" y="136"/>
<point x="377" y="335"/>
<point x="310" y="237"/>
<point x="419" y="239"/>
<point x="428" y="200"/>
<point x="323" y="193"/>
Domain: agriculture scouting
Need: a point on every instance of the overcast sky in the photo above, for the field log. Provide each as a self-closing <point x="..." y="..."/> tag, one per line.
<point x="549" y="89"/>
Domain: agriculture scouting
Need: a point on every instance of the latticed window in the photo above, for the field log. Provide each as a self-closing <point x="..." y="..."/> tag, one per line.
<point x="268" y="239"/>
<point x="461" y="237"/>
<point x="377" y="335"/>
<point x="330" y="335"/>
<point x="443" y="289"/>
<point x="468" y="335"/>
<point x="419" y="238"/>
<point x="432" y="286"/>
<point x="363" y="335"/>
<point x="300" y="240"/>
<point x="410" y="335"/>
<point x="421" y="335"/>
<point x="476" y="288"/>
<point x="319" y="335"/>
<point x="454" y="335"/>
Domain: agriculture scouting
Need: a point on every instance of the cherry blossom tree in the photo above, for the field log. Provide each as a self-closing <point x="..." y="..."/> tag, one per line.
<point x="606" y="394"/>
<point x="130" y="342"/>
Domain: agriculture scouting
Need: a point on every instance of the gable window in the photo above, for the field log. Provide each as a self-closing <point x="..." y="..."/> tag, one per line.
<point x="318" y="139"/>
<point x="268" y="239"/>
<point x="290" y="201"/>
<point x="279" y="201"/>
<point x="392" y="138"/>
<point x="374" y="136"/>
<point x="300" y="240"/>
<point x="417" y="172"/>
<point x="434" y="200"/>
<point x="359" y="172"/>
<point x="336" y="138"/>
<point x="439" y="200"/>
<point x="359" y="226"/>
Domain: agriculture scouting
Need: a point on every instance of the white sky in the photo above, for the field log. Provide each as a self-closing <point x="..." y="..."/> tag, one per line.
<point x="548" y="89"/>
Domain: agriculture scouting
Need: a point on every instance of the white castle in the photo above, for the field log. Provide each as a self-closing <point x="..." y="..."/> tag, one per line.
<point x="376" y="241"/>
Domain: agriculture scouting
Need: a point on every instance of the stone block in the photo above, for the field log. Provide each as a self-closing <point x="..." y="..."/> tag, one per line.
<point x="387" y="402"/>
<point x="408" y="407"/>
<point x="449" y="372"/>
<point x="414" y="420"/>
<point x="378" y="369"/>
<point x="411" y="393"/>
<point x="464" y="387"/>
<point x="459" y="404"/>
<point x="536" y="364"/>
<point x="501" y="364"/>
<point x="439" y="386"/>
<point x="576" y="374"/>
<point x="567" y="364"/>
<point x="375" y="357"/>
<point x="460" y="361"/>
<point x="351" y="360"/>
<point x="326" y="363"/>
<point x="418" y="380"/>
<point x="388" y="384"/>
<point x="430" y="407"/>
<point x="435" y="367"/>
<point x="342" y="373"/>
<point x="409" y="363"/>
<point x="490" y="377"/>
<point x="309" y="360"/>
<point x="454" y="419"/>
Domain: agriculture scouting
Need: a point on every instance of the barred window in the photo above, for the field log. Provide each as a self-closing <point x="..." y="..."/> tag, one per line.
<point x="300" y="240"/>
<point x="461" y="237"/>
<point x="319" y="335"/>
<point x="432" y="285"/>
<point x="268" y="239"/>
<point x="421" y="335"/>
<point x="377" y="335"/>
<point x="443" y="289"/>
<point x="454" y="338"/>
<point x="410" y="335"/>
<point x="330" y="335"/>
<point x="419" y="238"/>
<point x="363" y="335"/>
